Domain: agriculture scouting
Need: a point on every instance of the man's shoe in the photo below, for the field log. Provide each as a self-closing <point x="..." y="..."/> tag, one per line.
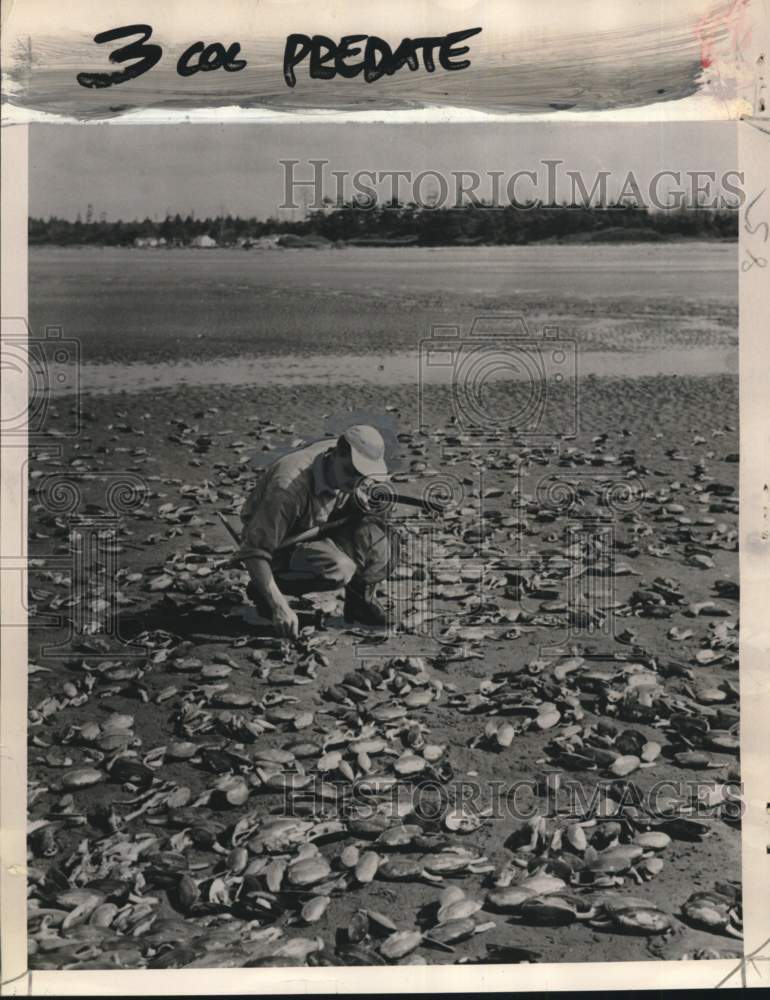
<point x="362" y="606"/>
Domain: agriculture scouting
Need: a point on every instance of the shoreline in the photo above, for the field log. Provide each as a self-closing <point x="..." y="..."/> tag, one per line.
<point x="384" y="245"/>
<point x="397" y="369"/>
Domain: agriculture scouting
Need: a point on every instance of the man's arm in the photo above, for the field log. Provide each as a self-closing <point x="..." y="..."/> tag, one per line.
<point x="284" y="619"/>
<point x="268" y="524"/>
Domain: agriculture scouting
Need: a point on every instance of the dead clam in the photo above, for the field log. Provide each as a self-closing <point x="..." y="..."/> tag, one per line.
<point x="275" y="835"/>
<point x="399" y="836"/>
<point x="308" y="872"/>
<point x="398" y="869"/>
<point x="697" y="759"/>
<point x="632" y="916"/>
<point x="714" y="911"/>
<point x="463" y="820"/>
<point x="456" y="930"/>
<point x="349" y="856"/>
<point x="555" y="910"/>
<point x="688" y="828"/>
<point x="509" y="899"/>
<point x="649" y="867"/>
<point x="457" y="908"/>
<point x="614" y="861"/>
<point x="230" y="790"/>
<point x="314" y="909"/>
<point x="367" y="867"/>
<point x="456" y="861"/>
<point x="82" y="777"/>
<point x="400" y="944"/>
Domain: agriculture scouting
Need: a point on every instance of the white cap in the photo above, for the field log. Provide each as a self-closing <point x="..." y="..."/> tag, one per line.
<point x="367" y="449"/>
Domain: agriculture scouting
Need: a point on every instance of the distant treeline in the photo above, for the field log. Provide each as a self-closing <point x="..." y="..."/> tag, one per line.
<point x="400" y="223"/>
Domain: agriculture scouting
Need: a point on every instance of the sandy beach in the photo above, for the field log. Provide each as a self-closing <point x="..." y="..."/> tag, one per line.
<point x="195" y="447"/>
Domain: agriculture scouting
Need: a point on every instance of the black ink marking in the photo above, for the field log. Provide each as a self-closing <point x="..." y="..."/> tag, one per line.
<point x="147" y="54"/>
<point x="210" y="57"/>
<point x="328" y="59"/>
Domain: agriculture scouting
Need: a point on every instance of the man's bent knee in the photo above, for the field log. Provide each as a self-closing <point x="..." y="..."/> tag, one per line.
<point x="325" y="561"/>
<point x="340" y="570"/>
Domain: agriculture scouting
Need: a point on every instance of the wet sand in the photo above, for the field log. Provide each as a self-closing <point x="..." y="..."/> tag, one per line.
<point x="138" y="432"/>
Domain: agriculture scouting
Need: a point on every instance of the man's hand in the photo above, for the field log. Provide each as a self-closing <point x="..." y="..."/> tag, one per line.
<point x="285" y="621"/>
<point x="275" y="604"/>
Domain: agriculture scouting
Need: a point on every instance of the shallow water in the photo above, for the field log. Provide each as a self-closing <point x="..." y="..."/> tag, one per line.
<point x="397" y="369"/>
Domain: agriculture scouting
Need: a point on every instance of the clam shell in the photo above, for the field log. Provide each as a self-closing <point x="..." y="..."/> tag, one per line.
<point x="379" y="922"/>
<point x="103" y="915"/>
<point x="643" y="920"/>
<point x="188" y="892"/>
<point x="549" y="911"/>
<point x="118" y="722"/>
<point x="309" y="872"/>
<point x="408" y="764"/>
<point x="397" y="869"/>
<point x="400" y="944"/>
<point x="419" y="698"/>
<point x="625" y="764"/>
<point x="315" y="908"/>
<point x="693" y="758"/>
<point x="388" y="712"/>
<point x="458" y="909"/>
<point x="179" y="797"/>
<point x="576" y="837"/>
<point x="216" y="671"/>
<point x="181" y="750"/>
<point x="457" y="821"/>
<point x="274" y="875"/>
<point x="234" y="699"/>
<point x="329" y="761"/>
<point x="371" y="747"/>
<point x="546" y="720"/>
<point x="651" y="866"/>
<point x="80" y="899"/>
<point x="654" y="840"/>
<point x="650" y="751"/>
<point x="367" y="866"/>
<point x="453" y="930"/>
<point x="232" y="790"/>
<point x="350" y="856"/>
<point x="82" y="777"/>
<point x="237" y="860"/>
<point x="450" y="895"/>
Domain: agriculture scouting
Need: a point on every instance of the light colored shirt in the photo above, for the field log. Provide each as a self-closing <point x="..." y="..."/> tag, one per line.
<point x="292" y="495"/>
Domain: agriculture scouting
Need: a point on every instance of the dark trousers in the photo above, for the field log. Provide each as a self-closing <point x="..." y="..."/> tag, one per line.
<point x="364" y="548"/>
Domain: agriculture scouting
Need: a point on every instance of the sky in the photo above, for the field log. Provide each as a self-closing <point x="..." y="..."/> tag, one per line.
<point x="138" y="171"/>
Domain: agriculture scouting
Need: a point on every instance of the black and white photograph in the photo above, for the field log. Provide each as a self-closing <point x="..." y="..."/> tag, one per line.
<point x="382" y="518"/>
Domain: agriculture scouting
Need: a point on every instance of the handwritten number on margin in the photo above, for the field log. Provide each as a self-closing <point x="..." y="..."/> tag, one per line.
<point x="148" y="55"/>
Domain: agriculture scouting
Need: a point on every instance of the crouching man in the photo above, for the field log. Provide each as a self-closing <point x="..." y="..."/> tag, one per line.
<point x="306" y="489"/>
